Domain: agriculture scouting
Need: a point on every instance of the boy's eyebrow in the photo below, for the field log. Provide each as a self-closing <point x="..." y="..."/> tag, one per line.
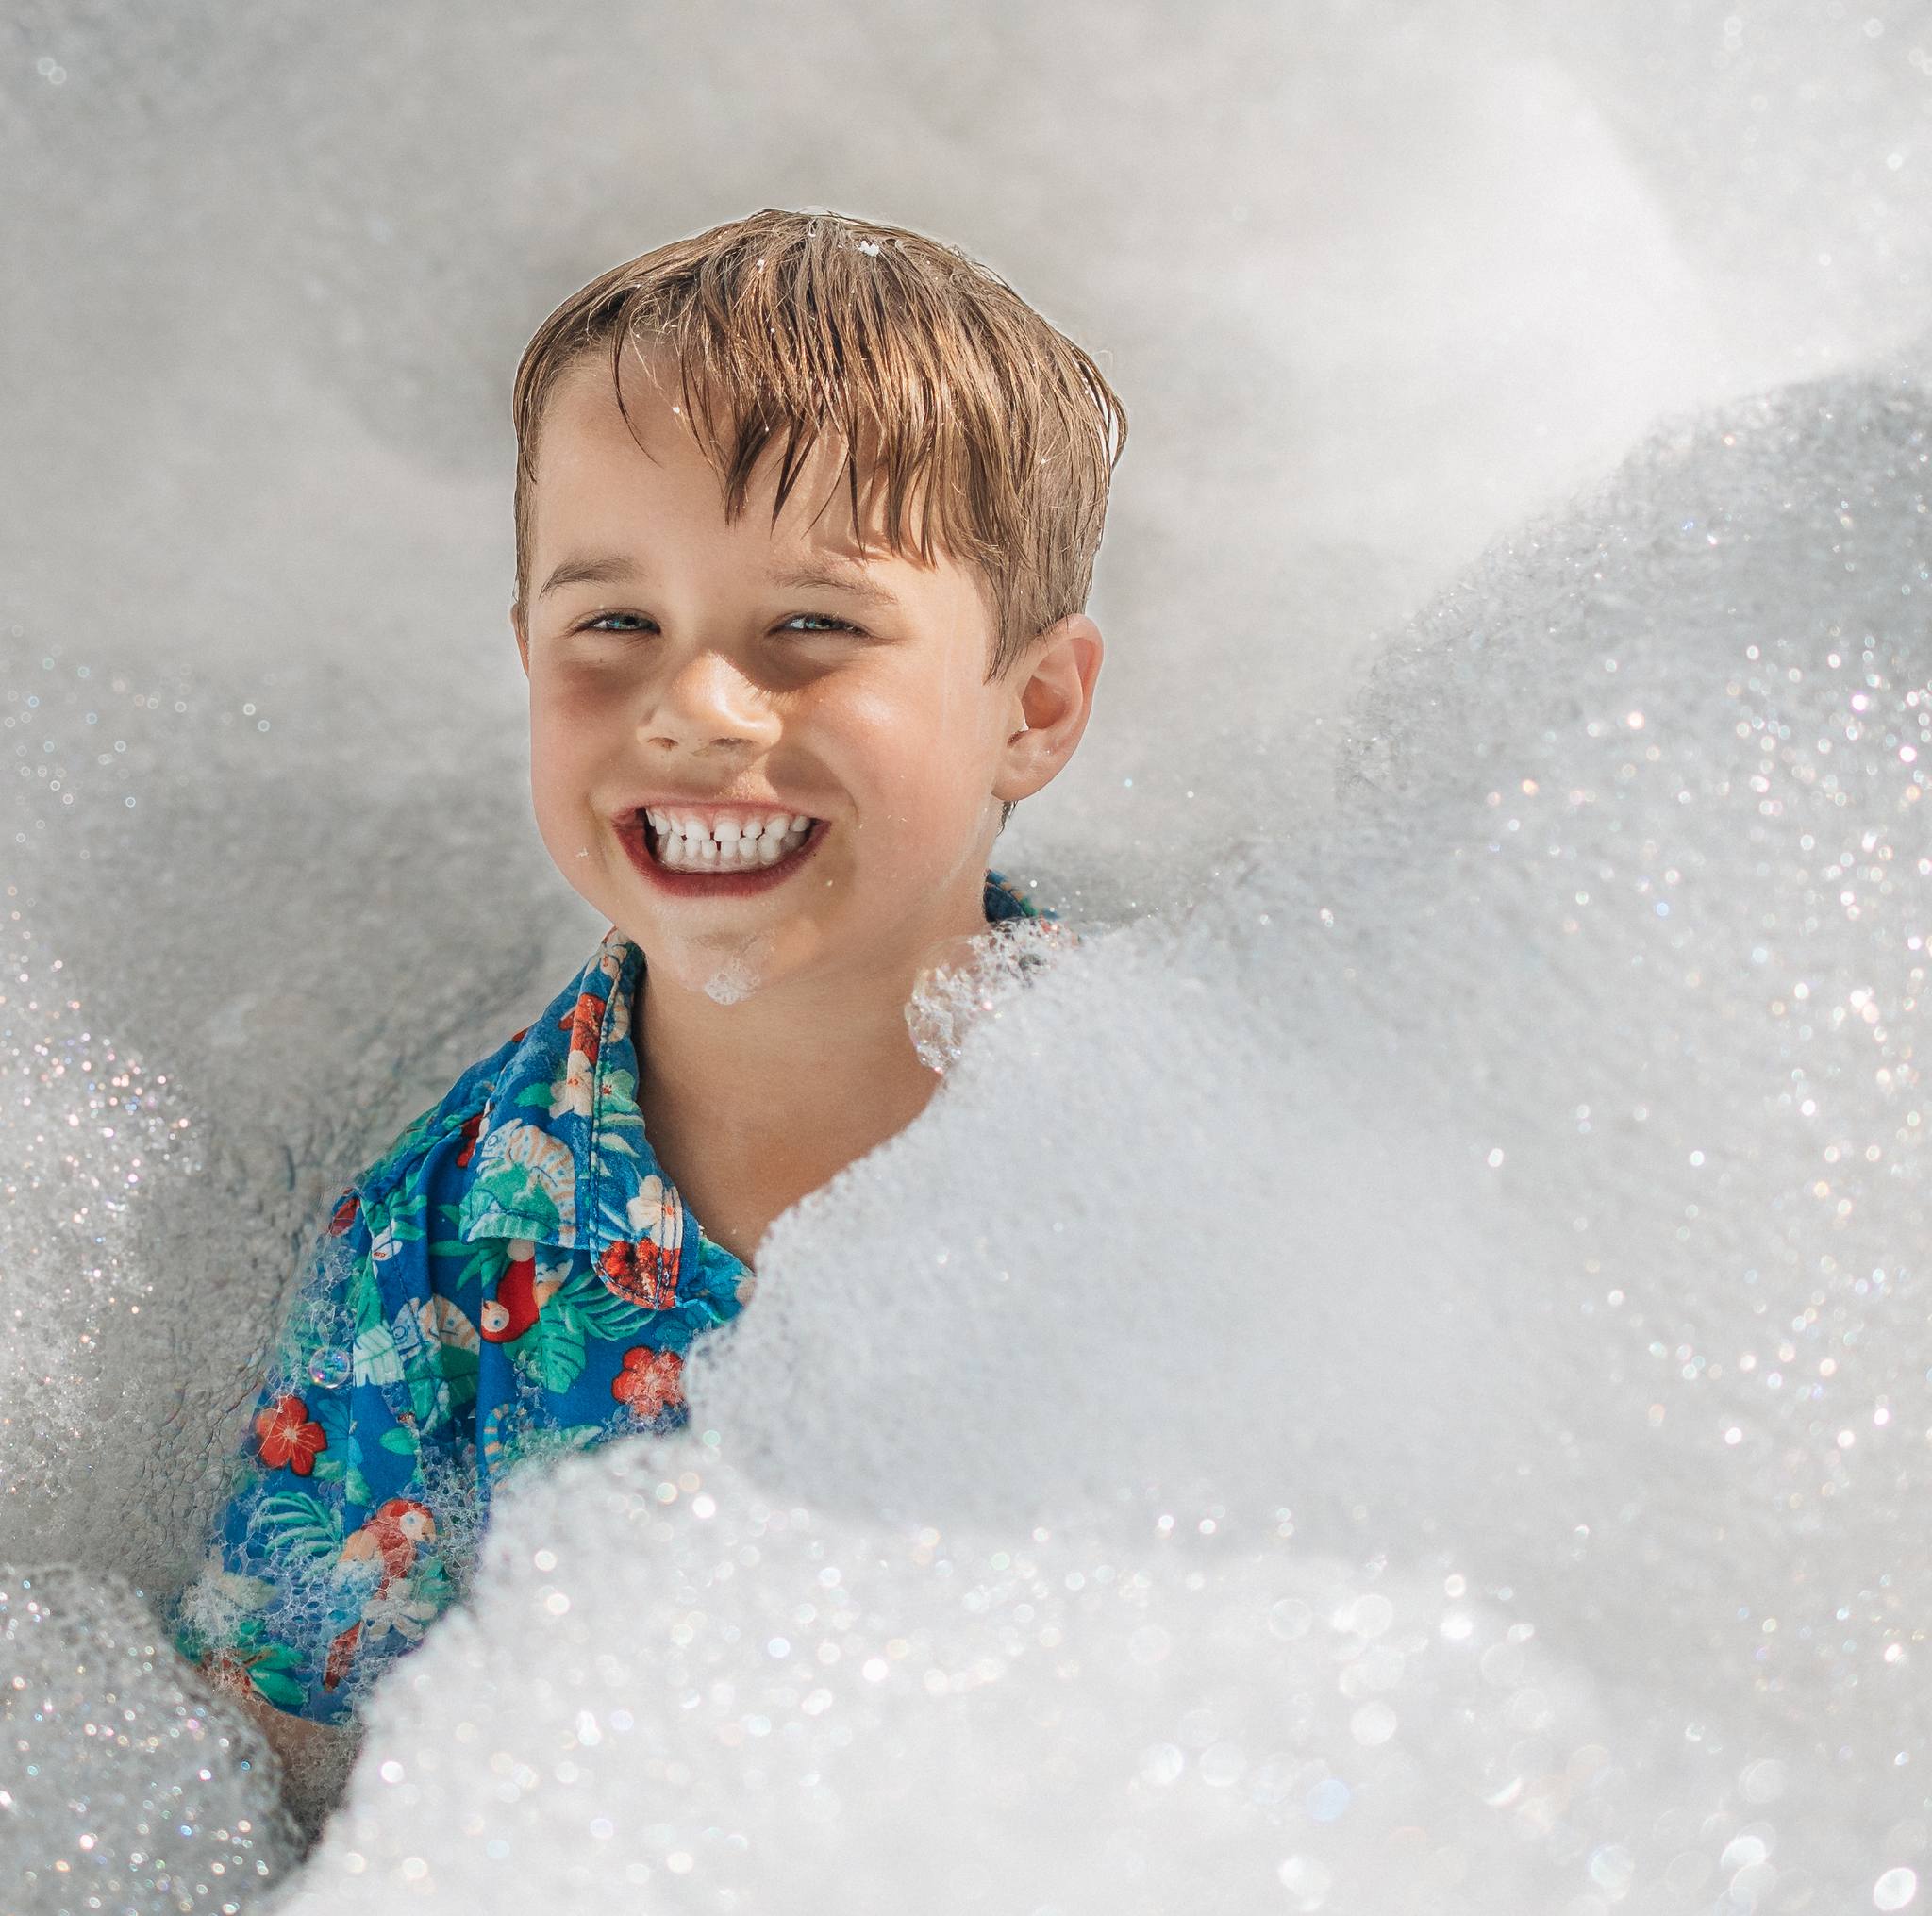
<point x="838" y="575"/>
<point x="828" y="572"/>
<point x="588" y="569"/>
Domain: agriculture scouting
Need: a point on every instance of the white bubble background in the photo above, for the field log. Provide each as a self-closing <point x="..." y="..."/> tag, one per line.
<point x="1395" y="1377"/>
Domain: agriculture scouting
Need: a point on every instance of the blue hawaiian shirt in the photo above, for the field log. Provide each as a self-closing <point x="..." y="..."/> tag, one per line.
<point x="513" y="1277"/>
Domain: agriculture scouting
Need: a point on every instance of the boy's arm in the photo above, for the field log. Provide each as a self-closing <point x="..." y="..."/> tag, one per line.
<point x="327" y="1559"/>
<point x="314" y="1756"/>
<point x="295" y="1740"/>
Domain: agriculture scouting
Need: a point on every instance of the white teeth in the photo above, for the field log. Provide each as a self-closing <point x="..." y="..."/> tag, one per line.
<point x="684" y="844"/>
<point x="727" y="830"/>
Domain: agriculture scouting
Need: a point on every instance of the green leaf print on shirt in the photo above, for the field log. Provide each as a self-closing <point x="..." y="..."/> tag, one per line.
<point x="394" y="1222"/>
<point x="375" y="1356"/>
<point x="482" y="1264"/>
<point x="535" y="1442"/>
<point x="365" y="1295"/>
<point x="617" y="1112"/>
<point x="300" y="1525"/>
<point x="270" y="1667"/>
<point x="341" y="1461"/>
<point x="560" y="1349"/>
<point x="599" y="1309"/>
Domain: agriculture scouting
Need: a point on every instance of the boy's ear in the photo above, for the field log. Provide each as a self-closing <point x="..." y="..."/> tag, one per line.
<point x="1051" y="689"/>
<point x="516" y="625"/>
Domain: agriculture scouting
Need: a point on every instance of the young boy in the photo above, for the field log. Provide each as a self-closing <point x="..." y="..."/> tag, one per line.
<point x="805" y="512"/>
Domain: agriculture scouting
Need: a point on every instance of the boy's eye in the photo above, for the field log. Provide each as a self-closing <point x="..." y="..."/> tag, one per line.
<point x="823" y="620"/>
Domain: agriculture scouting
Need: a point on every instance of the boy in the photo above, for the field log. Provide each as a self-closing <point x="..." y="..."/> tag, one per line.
<point x="806" y="515"/>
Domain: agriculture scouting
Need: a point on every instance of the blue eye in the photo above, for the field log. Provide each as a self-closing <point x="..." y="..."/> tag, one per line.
<point x="597" y="622"/>
<point x="824" y="619"/>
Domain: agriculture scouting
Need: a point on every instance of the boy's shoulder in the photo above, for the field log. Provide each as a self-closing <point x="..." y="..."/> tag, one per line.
<point x="1004" y="900"/>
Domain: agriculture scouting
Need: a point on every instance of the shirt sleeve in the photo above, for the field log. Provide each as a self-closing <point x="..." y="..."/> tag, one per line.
<point x="330" y="1558"/>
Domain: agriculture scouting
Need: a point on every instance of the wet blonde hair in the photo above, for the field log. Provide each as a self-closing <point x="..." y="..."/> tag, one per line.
<point x="987" y="433"/>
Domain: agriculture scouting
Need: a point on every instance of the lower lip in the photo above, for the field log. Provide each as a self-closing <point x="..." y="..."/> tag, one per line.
<point x="715" y="884"/>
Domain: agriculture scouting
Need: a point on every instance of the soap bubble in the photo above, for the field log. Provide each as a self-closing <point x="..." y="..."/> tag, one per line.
<point x="330" y="1367"/>
<point x="968" y="980"/>
<point x="1896" y="1889"/>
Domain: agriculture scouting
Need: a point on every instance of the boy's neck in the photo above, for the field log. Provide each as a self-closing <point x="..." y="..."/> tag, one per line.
<point x="750" y="1106"/>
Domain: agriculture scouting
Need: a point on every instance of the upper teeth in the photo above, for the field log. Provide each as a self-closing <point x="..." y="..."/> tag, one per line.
<point x="728" y="830"/>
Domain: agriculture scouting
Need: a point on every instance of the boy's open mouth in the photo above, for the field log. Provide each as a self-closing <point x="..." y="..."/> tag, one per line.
<point x="768" y="843"/>
<point x="731" y="861"/>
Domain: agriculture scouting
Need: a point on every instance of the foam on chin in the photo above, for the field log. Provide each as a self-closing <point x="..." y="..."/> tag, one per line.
<point x="735" y="980"/>
<point x="727" y="969"/>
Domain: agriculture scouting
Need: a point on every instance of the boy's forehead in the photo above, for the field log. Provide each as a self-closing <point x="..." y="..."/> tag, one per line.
<point x="591" y="469"/>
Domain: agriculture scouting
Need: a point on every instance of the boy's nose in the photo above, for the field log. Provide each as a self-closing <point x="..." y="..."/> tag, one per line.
<point x="710" y="700"/>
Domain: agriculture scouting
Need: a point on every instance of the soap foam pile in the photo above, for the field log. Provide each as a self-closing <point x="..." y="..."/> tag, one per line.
<point x="1405" y="1390"/>
<point x="727" y="1703"/>
<point x="1398" y="1386"/>
<point x="89" y="1125"/>
<point x="121" y="1786"/>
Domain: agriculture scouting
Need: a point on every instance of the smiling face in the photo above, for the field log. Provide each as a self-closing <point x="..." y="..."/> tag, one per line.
<point x="737" y="668"/>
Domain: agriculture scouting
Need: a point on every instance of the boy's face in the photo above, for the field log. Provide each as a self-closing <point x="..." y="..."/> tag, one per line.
<point x="689" y="670"/>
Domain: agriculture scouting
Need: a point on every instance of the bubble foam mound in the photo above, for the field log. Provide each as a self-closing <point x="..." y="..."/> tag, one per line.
<point x="124" y="1785"/>
<point x="1400" y="1389"/>
<point x="677" y="1694"/>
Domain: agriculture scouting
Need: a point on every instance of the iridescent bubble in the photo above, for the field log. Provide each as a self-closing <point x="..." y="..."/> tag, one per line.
<point x="1221" y="1765"/>
<point x="1290" y="1619"/>
<point x="1374" y="1723"/>
<point x="329" y="1367"/>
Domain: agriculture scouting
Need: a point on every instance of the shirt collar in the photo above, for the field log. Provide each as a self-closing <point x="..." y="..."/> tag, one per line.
<point x="560" y="1157"/>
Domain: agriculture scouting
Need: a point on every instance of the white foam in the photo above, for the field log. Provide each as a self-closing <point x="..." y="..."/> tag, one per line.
<point x="1405" y="1201"/>
<point x="1258" y="1422"/>
<point x="126" y="1785"/>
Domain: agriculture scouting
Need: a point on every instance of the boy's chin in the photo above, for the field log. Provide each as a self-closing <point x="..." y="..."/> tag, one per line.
<point x="724" y="968"/>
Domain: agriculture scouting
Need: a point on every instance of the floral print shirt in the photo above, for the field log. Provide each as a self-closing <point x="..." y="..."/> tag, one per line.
<point x="512" y="1277"/>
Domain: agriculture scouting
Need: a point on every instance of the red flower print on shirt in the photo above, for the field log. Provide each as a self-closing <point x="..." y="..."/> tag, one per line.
<point x="585" y="1025"/>
<point x="639" y="1272"/>
<point x="346" y="1214"/>
<point x="289" y="1436"/>
<point x="649" y="1380"/>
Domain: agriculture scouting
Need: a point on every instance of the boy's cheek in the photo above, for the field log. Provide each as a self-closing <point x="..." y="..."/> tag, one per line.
<point x="561" y="799"/>
<point x="559" y="754"/>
